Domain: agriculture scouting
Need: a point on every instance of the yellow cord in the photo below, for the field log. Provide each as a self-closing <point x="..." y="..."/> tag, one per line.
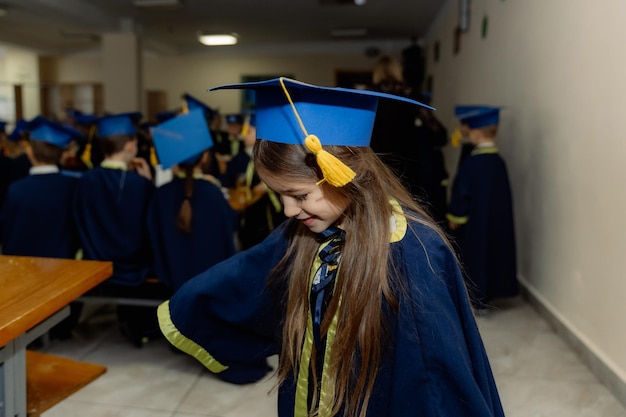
<point x="335" y="172"/>
<point x="86" y="156"/>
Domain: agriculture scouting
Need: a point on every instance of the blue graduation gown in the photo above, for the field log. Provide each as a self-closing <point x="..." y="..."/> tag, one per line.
<point x="481" y="198"/>
<point x="37" y="217"/>
<point x="110" y="213"/>
<point x="434" y="365"/>
<point x="5" y="177"/>
<point x="179" y="256"/>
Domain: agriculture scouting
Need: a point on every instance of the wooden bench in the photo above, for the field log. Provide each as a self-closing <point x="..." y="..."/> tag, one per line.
<point x="50" y="379"/>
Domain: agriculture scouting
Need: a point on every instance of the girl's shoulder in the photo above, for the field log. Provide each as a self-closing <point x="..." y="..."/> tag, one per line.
<point x="421" y="238"/>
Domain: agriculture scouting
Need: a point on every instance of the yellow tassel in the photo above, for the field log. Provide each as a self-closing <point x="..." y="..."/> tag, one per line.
<point x="335" y="172"/>
<point x="456" y="138"/>
<point x="86" y="156"/>
<point x="185" y="107"/>
<point x="154" y="161"/>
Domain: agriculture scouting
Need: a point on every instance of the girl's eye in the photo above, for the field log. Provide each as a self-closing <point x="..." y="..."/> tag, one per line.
<point x="300" y="197"/>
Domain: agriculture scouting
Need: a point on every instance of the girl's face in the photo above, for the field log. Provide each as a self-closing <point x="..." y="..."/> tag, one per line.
<point x="306" y="202"/>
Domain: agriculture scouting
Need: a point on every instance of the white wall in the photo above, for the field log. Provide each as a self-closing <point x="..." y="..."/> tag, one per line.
<point x="194" y="74"/>
<point x="18" y="66"/>
<point x="558" y="67"/>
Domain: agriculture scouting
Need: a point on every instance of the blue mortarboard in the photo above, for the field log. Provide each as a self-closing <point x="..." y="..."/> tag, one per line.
<point x="234" y="118"/>
<point x="53" y="133"/>
<point x="478" y="116"/>
<point x="337" y="116"/>
<point x="195" y="104"/>
<point x="292" y="112"/>
<point x="182" y="139"/>
<point x="118" y="124"/>
<point x="165" y="115"/>
<point x="73" y="113"/>
<point x="20" y="127"/>
<point x="85" y="119"/>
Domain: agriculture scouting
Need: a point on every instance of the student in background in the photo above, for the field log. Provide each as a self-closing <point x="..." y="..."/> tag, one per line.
<point x="262" y="210"/>
<point x="480" y="213"/>
<point x="226" y="151"/>
<point x="190" y="224"/>
<point x="37" y="216"/>
<point x="18" y="149"/>
<point x="110" y="211"/>
<point x="5" y="164"/>
<point x="359" y="291"/>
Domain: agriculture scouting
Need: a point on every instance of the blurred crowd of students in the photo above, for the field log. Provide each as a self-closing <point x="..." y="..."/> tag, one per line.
<point x="112" y="188"/>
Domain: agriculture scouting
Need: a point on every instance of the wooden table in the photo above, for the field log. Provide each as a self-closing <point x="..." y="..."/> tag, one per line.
<point x="34" y="294"/>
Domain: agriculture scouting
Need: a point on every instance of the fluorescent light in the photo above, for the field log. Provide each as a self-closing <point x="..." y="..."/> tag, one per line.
<point x="217" y="39"/>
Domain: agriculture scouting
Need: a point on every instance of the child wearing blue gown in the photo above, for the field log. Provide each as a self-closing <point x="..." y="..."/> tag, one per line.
<point x="480" y="213"/>
<point x="190" y="224"/>
<point x="358" y="291"/>
<point x="110" y="209"/>
<point x="36" y="219"/>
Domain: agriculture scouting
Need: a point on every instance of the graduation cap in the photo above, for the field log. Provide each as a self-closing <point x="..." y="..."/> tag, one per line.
<point x="86" y="120"/>
<point x="193" y="103"/>
<point x="118" y="124"/>
<point x="476" y="117"/>
<point x="20" y="127"/>
<point x="165" y="115"/>
<point x="182" y="139"/>
<point x="73" y="113"/>
<point x="53" y="133"/>
<point x="234" y="118"/>
<point x="292" y="112"/>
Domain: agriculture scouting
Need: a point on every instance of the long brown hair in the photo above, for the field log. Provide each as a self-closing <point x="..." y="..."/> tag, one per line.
<point x="185" y="212"/>
<point x="368" y="278"/>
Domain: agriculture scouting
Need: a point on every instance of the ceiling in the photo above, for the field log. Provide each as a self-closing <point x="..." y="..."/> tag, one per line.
<point x="68" y="26"/>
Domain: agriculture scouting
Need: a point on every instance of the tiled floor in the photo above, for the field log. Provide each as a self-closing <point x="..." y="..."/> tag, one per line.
<point x="537" y="375"/>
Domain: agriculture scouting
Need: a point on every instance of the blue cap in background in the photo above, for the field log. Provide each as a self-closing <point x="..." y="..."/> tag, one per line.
<point x="165" y="115"/>
<point x="476" y="117"/>
<point x="118" y="124"/>
<point x="195" y="104"/>
<point x="182" y="139"/>
<point x="53" y="133"/>
<point x="20" y="127"/>
<point x="85" y="119"/>
<point x="234" y="118"/>
<point x="337" y="116"/>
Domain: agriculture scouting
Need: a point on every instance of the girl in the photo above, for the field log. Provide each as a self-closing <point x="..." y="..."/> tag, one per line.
<point x="358" y="291"/>
<point x="190" y="224"/>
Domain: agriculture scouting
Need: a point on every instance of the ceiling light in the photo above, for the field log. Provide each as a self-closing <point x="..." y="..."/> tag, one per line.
<point x="360" y="2"/>
<point x="217" y="39"/>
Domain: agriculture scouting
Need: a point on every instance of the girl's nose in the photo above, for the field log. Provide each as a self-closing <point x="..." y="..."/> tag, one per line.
<point x="290" y="207"/>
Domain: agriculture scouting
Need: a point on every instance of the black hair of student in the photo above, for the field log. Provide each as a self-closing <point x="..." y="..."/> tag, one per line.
<point x="46" y="153"/>
<point x="113" y="144"/>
